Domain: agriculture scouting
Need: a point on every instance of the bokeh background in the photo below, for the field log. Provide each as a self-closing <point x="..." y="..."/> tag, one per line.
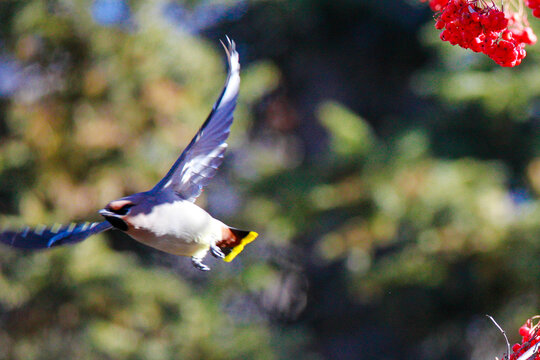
<point x="394" y="181"/>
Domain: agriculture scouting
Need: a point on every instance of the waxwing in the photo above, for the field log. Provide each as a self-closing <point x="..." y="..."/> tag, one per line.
<point x="166" y="217"/>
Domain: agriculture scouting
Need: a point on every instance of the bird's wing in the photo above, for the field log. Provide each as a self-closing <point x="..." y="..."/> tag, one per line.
<point x="202" y="157"/>
<point x="43" y="237"/>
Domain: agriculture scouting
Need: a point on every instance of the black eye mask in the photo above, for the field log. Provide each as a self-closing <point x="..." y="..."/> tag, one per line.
<point x="124" y="210"/>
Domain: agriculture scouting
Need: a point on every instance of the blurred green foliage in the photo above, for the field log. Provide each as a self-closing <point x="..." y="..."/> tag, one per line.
<point x="393" y="212"/>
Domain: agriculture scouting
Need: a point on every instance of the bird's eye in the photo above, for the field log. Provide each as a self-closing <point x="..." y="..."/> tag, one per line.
<point x="124" y="210"/>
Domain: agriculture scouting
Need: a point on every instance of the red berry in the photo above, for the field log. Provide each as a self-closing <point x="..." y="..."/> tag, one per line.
<point x="529" y="36"/>
<point x="439" y="25"/>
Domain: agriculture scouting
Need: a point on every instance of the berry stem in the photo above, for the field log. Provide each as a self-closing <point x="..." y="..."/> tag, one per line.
<point x="504" y="334"/>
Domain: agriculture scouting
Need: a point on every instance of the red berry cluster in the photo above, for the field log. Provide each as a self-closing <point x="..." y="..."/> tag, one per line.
<point x="535" y="6"/>
<point x="530" y="336"/>
<point x="476" y="25"/>
<point x="481" y="29"/>
<point x="469" y="26"/>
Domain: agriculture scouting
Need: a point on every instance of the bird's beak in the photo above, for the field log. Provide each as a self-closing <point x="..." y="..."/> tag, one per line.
<point x="114" y="219"/>
<point x="105" y="212"/>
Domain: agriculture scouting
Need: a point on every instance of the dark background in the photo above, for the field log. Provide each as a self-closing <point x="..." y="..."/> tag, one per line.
<point x="393" y="180"/>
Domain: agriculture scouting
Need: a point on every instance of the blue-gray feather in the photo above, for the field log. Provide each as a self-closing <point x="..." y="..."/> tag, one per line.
<point x="199" y="162"/>
<point x="42" y="238"/>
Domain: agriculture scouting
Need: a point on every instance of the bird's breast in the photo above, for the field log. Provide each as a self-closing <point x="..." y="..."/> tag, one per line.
<point x="180" y="228"/>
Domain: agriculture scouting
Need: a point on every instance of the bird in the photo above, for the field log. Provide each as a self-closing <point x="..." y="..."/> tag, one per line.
<point x="166" y="217"/>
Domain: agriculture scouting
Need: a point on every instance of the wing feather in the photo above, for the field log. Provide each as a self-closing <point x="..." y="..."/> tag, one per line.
<point x="43" y="237"/>
<point x="204" y="154"/>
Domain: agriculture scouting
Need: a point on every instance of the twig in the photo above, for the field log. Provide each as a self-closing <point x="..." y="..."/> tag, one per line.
<point x="505" y="337"/>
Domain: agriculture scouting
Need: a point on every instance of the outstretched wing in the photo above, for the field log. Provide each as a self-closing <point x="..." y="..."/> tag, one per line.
<point x="202" y="157"/>
<point x="43" y="237"/>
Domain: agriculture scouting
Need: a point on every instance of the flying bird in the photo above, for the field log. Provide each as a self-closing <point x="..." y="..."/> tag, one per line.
<point x="166" y="217"/>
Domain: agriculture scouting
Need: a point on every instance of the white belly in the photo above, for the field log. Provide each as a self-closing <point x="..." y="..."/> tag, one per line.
<point x="180" y="228"/>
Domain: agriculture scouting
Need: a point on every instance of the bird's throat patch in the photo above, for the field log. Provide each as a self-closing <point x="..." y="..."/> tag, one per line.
<point x="117" y="223"/>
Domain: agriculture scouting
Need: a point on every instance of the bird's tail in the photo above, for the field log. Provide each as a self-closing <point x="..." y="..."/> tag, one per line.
<point x="233" y="241"/>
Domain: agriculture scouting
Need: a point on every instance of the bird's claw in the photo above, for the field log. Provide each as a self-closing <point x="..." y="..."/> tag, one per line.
<point x="197" y="263"/>
<point x="216" y="252"/>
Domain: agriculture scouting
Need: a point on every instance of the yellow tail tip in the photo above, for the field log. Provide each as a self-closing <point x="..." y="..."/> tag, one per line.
<point x="238" y="248"/>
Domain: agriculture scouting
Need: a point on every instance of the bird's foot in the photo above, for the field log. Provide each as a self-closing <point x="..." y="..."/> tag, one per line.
<point x="216" y="251"/>
<point x="197" y="263"/>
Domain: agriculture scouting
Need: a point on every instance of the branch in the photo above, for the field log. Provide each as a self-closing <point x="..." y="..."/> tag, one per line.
<point x="505" y="338"/>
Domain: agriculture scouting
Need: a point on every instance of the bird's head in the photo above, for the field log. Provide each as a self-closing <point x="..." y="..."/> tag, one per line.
<point x="117" y="211"/>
